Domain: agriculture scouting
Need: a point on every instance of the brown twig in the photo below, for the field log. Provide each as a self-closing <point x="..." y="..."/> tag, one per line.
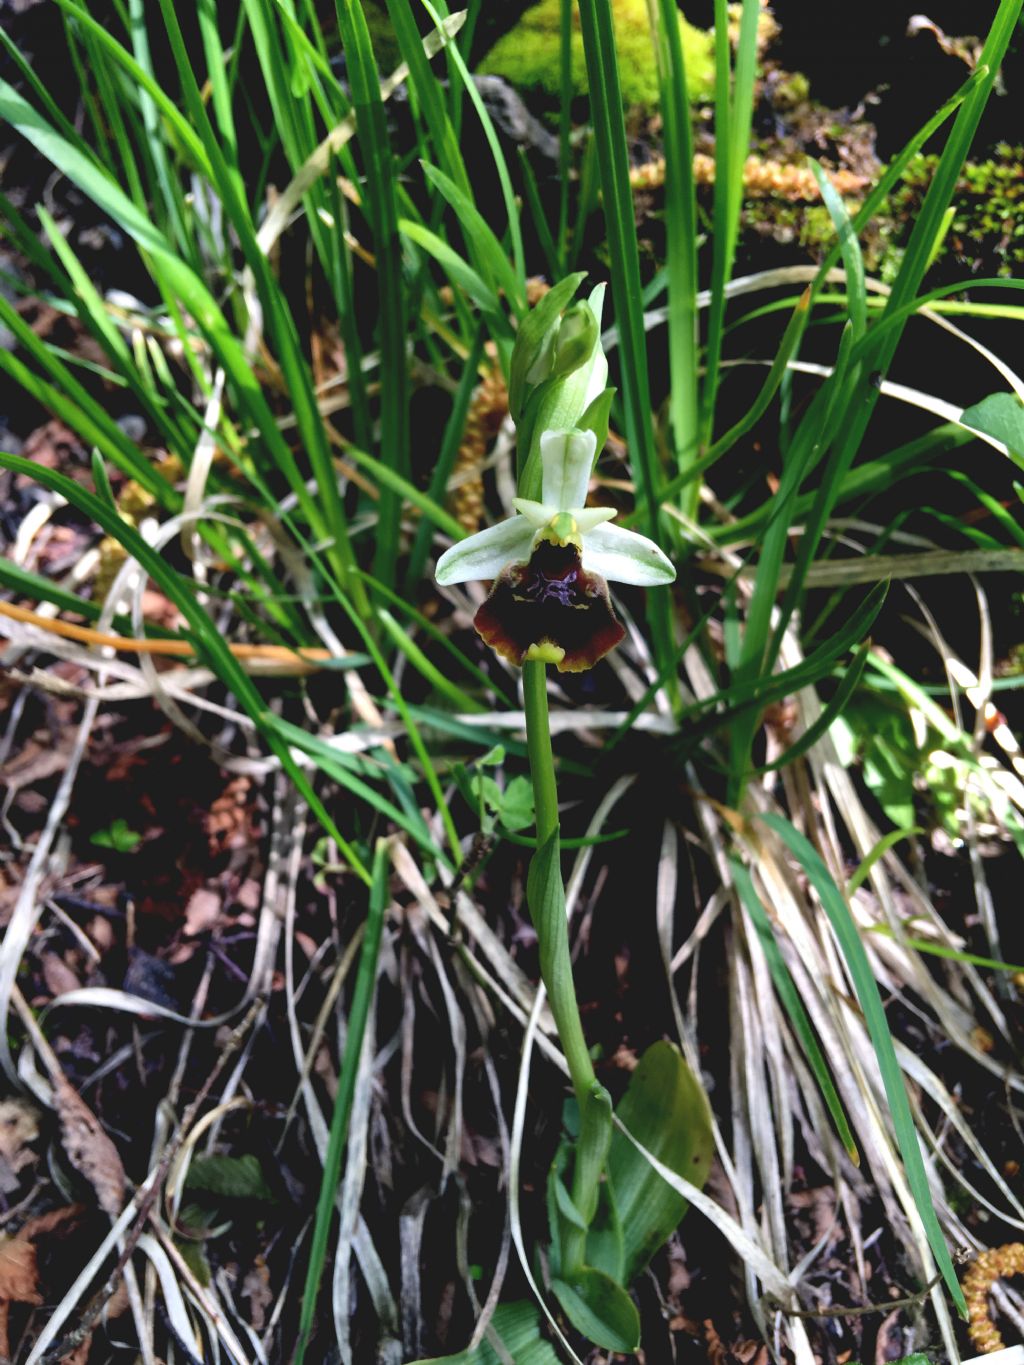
<point x="303" y="660"/>
<point x="865" y="1309"/>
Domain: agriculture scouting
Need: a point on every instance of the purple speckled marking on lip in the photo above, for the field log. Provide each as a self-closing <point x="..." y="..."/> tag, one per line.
<point x="544" y="588"/>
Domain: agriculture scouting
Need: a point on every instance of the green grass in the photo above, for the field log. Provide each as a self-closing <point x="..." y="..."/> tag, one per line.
<point x="348" y="338"/>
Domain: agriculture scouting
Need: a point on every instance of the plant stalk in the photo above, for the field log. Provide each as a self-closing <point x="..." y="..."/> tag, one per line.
<point x="546" y="896"/>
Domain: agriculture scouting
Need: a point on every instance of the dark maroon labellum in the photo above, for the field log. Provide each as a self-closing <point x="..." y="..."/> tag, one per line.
<point x="550" y="608"/>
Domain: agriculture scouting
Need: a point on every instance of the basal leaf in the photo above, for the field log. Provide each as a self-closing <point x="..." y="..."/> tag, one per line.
<point x="232" y="1177"/>
<point x="1000" y="415"/>
<point x="666" y="1110"/>
<point x="600" y="1309"/>
<point x="518" y="1326"/>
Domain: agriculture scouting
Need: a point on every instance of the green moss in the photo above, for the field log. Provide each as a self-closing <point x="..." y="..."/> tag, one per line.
<point x="382" y="36"/>
<point x="529" y="55"/>
<point x="986" y="234"/>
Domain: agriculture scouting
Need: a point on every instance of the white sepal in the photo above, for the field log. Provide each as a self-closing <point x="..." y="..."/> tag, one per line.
<point x="587" y="518"/>
<point x="566" y="459"/>
<point x="538" y="514"/>
<point x="485" y="554"/>
<point x="623" y="556"/>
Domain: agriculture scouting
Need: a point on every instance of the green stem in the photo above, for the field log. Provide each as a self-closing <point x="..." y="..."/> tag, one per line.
<point x="538" y="742"/>
<point x="546" y="895"/>
<point x="547" y="906"/>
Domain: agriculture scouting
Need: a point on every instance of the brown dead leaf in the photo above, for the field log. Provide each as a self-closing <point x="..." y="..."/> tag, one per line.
<point x="229" y="822"/>
<point x="58" y="975"/>
<point x="19" y="1278"/>
<point x="88" y="1147"/>
<point x="80" y="1354"/>
<point x="40" y="758"/>
<point x="256" y="1288"/>
<point x="202" y="911"/>
<point x="45" y="1223"/>
<point x="54" y="446"/>
<point x="19" y="1125"/>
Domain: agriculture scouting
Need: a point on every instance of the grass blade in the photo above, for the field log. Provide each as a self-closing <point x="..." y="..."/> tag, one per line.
<point x="794" y="1006"/>
<point x="878" y="1027"/>
<point x="362" y="1001"/>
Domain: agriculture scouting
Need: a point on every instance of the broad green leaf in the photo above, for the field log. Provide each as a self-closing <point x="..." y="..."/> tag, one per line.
<point x="666" y="1110"/>
<point x="1000" y="415"/>
<point x="918" y="1358"/>
<point x="604" y="1237"/>
<point x="518" y="1327"/>
<point x="600" y="1309"/>
<point x="119" y="836"/>
<point x="232" y="1177"/>
<point x="516" y="810"/>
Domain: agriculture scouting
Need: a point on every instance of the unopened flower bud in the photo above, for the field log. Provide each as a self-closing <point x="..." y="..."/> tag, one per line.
<point x="576" y="339"/>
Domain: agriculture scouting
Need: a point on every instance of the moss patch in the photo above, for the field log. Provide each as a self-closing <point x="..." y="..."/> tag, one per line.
<point x="529" y="54"/>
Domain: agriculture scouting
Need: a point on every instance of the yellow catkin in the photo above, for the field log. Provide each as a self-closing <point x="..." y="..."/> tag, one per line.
<point x="133" y="504"/>
<point x="995" y="1264"/>
<point x="762" y="179"/>
<point x="488" y="408"/>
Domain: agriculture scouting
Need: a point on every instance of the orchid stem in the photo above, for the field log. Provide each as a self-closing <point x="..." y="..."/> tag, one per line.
<point x="546" y="895"/>
<point x="552" y="928"/>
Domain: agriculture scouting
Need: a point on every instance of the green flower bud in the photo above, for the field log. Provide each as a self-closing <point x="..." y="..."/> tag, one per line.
<point x="577" y="336"/>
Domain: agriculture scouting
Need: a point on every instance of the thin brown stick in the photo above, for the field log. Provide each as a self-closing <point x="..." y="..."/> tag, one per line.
<point x="864" y="1310"/>
<point x="304" y="659"/>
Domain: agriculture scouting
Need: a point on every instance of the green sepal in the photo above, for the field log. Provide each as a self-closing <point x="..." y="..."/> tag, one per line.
<point x="575" y="340"/>
<point x="600" y="1309"/>
<point x="596" y="419"/>
<point x="535" y="335"/>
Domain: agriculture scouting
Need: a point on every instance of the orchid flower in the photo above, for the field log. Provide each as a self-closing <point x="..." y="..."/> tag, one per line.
<point x="549" y="600"/>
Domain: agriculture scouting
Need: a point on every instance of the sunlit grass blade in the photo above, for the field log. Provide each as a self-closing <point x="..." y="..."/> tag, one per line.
<point x="834" y="708"/>
<point x="427" y="670"/>
<point x="434" y="513"/>
<point x="734" y="111"/>
<point x="381" y="203"/>
<point x="787" y="346"/>
<point x="790" y="997"/>
<point x="487" y="251"/>
<point x="352" y="773"/>
<point x="167" y="182"/>
<point x="613" y="158"/>
<point x="878" y="1028"/>
<point x="681" y="237"/>
<point x="855" y="411"/>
